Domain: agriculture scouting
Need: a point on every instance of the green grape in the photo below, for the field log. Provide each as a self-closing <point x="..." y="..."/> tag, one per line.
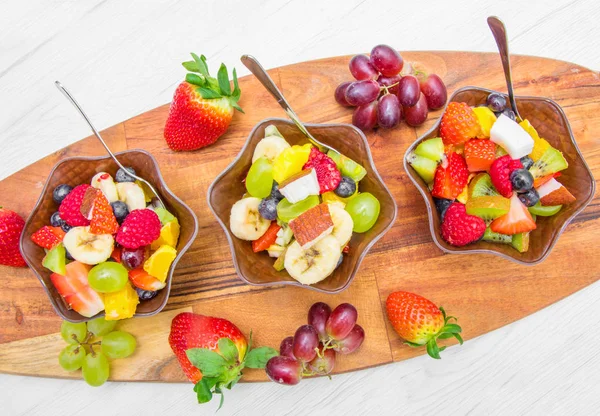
<point x="118" y="344"/>
<point x="364" y="210"/>
<point x="95" y="369"/>
<point x="108" y="277"/>
<point x="287" y="211"/>
<point x="73" y="333"/>
<point x="71" y="357"/>
<point x="101" y="326"/>
<point x="260" y="178"/>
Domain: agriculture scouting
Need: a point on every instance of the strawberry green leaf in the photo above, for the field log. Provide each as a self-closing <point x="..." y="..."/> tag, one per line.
<point x="203" y="390"/>
<point x="236" y="88"/>
<point x="442" y="349"/>
<point x="452" y="328"/>
<point x="250" y="341"/>
<point x="208" y="362"/>
<point x="195" y="79"/>
<point x="190" y="66"/>
<point x="413" y="344"/>
<point x="213" y="84"/>
<point x="203" y="59"/>
<point x="433" y="349"/>
<point x="459" y="338"/>
<point x="221" y="401"/>
<point x="235" y="105"/>
<point x="208" y="93"/>
<point x="443" y="312"/>
<point x="258" y="357"/>
<point x="201" y="64"/>
<point x="446" y="335"/>
<point x="228" y="349"/>
<point x="223" y="78"/>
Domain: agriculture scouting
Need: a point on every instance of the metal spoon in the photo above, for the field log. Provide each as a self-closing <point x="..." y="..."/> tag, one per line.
<point x="259" y="72"/>
<point x="97" y="134"/>
<point x="499" y="32"/>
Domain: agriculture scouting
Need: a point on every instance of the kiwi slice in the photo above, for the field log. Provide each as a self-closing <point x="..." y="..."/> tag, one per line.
<point x="347" y="166"/>
<point x="544" y="211"/>
<point x="551" y="161"/>
<point x="520" y="242"/>
<point x="494" y="237"/>
<point x="481" y="185"/>
<point x="431" y="149"/>
<point x="488" y="207"/>
<point x="425" y="167"/>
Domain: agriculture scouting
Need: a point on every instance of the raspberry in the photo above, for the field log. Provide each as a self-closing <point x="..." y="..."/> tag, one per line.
<point x="500" y="174"/>
<point x="70" y="207"/>
<point x="459" y="124"/>
<point x="140" y="228"/>
<point x="328" y="175"/>
<point x="459" y="228"/>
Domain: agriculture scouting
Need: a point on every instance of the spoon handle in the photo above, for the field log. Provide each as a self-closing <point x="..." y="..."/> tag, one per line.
<point x="499" y="32"/>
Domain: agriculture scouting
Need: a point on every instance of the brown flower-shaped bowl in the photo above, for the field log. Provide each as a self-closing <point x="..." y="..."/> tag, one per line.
<point x="77" y="170"/>
<point x="228" y="187"/>
<point x="551" y="123"/>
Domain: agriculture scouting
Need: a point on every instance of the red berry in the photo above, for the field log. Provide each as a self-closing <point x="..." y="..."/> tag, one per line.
<point x="70" y="207"/>
<point x="459" y="228"/>
<point x="479" y="154"/>
<point x="48" y="237"/>
<point x="328" y="175"/>
<point x="459" y="124"/>
<point x="500" y="174"/>
<point x="11" y="226"/>
<point x="451" y="177"/>
<point x="140" y="228"/>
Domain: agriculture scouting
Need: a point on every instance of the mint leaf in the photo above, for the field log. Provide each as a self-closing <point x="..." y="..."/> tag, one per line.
<point x="208" y="94"/>
<point x="195" y="79"/>
<point x="202" y="389"/>
<point x="209" y="362"/>
<point x="228" y="349"/>
<point x="201" y="65"/>
<point x="236" y="88"/>
<point x="223" y="78"/>
<point x="258" y="357"/>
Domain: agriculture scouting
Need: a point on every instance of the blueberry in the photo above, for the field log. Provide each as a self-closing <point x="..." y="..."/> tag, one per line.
<point x="120" y="210"/>
<point x="527" y="162"/>
<point x="442" y="205"/>
<point x="61" y="192"/>
<point x="145" y="294"/>
<point x="346" y="188"/>
<point x="496" y="102"/>
<point x="68" y="255"/>
<point x="275" y="192"/>
<point x="521" y="180"/>
<point x="529" y="198"/>
<point x="340" y="260"/>
<point x="66" y="227"/>
<point x="268" y="208"/>
<point x="122" y="176"/>
<point x="56" y="220"/>
<point x="510" y="114"/>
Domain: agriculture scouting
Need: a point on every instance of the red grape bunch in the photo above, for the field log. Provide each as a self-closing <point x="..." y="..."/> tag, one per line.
<point x="382" y="96"/>
<point x="312" y="349"/>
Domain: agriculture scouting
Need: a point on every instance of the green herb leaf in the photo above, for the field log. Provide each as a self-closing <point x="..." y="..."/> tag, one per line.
<point x="433" y="350"/>
<point x="236" y="88"/>
<point x="452" y="328"/>
<point x="207" y="93"/>
<point x="202" y="390"/>
<point x="258" y="357"/>
<point x="223" y="78"/>
<point x="200" y="65"/>
<point x="195" y="79"/>
<point x="228" y="350"/>
<point x="209" y="362"/>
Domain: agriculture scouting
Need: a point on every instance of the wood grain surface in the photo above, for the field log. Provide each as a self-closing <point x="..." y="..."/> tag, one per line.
<point x="486" y="292"/>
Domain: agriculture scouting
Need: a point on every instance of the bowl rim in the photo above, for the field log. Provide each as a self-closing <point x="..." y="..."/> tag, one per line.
<point x="408" y="169"/>
<point x="294" y="282"/>
<point x="167" y="190"/>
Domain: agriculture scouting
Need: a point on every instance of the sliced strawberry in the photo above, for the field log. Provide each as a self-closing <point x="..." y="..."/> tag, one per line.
<point x="116" y="254"/>
<point x="103" y="219"/>
<point x="267" y="239"/>
<point x="450" y="177"/>
<point x="48" y="237"/>
<point x="74" y="288"/>
<point x="328" y="175"/>
<point x="142" y="280"/>
<point x="516" y="220"/>
<point x="479" y="154"/>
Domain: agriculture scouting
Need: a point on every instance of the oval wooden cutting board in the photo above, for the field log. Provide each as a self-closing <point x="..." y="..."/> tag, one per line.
<point x="484" y="291"/>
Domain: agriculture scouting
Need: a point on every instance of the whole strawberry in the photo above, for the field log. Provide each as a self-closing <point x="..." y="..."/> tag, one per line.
<point x="420" y="322"/>
<point x="213" y="352"/>
<point x="202" y="107"/>
<point x="11" y="226"/>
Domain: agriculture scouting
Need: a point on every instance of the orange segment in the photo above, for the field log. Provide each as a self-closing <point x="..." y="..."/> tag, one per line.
<point x="169" y="235"/>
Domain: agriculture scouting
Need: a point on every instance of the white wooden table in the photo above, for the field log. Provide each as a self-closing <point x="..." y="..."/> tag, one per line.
<point x="121" y="59"/>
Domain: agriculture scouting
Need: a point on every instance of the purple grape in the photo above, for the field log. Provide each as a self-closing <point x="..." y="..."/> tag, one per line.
<point x="362" y="92"/>
<point x="352" y="341"/>
<point x="365" y="116"/>
<point x="386" y="60"/>
<point x="417" y="114"/>
<point x="361" y="68"/>
<point x="434" y="90"/>
<point x="387" y="81"/>
<point x="317" y="317"/>
<point x="341" y="321"/>
<point x="306" y="340"/>
<point x="388" y="111"/>
<point x="284" y="370"/>
<point x="323" y="365"/>
<point x="132" y="259"/>
<point x="286" y="348"/>
<point x="340" y="94"/>
<point x="408" y="91"/>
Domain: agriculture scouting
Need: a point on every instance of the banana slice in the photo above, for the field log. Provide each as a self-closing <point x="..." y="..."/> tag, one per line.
<point x="106" y="184"/>
<point x="342" y="223"/>
<point x="314" y="264"/>
<point x="86" y="247"/>
<point x="270" y="147"/>
<point x="132" y="194"/>
<point x="245" y="221"/>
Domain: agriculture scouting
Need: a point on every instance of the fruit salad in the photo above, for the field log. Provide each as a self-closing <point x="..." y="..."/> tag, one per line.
<point x="302" y="207"/>
<point x="490" y="176"/>
<point x="107" y="245"/>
